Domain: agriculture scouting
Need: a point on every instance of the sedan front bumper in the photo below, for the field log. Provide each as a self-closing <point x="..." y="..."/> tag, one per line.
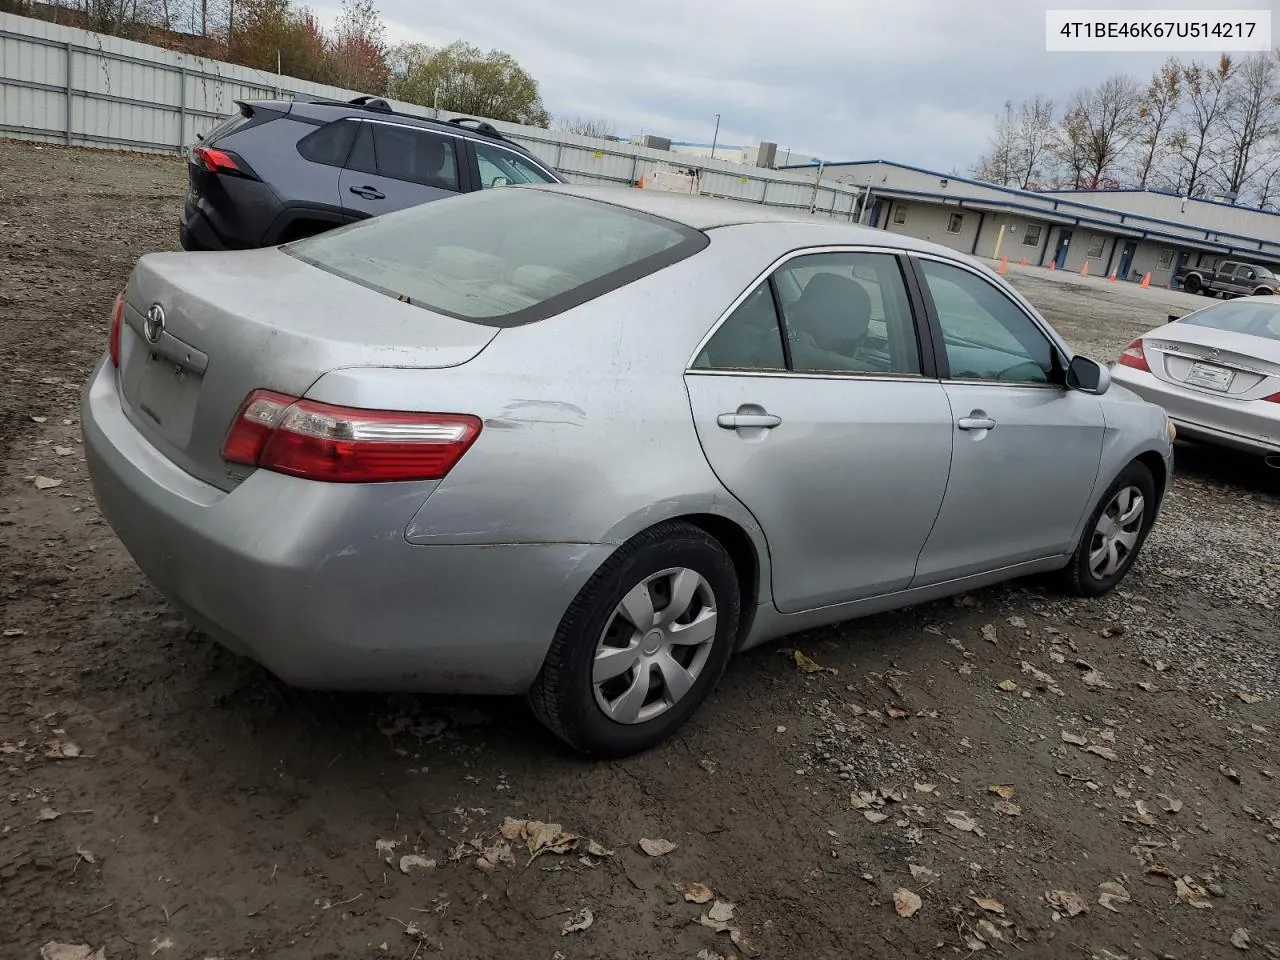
<point x="317" y="581"/>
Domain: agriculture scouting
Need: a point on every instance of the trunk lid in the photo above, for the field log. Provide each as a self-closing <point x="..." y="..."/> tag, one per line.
<point x="234" y="322"/>
<point x="1229" y="364"/>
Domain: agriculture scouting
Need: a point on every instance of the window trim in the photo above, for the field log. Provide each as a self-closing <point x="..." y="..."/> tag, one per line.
<point x="555" y="178"/>
<point x="899" y="214"/>
<point x="1039" y="234"/>
<point x="1062" y="353"/>
<point x="1102" y="246"/>
<point x="959" y="226"/>
<point x="924" y="345"/>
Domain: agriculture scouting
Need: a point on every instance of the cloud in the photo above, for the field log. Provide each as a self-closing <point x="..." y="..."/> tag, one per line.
<point x="918" y="81"/>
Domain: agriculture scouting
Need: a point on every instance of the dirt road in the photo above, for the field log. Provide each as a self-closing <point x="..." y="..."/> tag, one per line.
<point x="1000" y="757"/>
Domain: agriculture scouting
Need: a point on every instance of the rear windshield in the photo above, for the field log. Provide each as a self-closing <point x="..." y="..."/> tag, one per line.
<point x="501" y="257"/>
<point x="1240" y="316"/>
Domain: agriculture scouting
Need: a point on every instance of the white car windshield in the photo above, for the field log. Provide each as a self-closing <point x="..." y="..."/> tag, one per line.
<point x="1259" y="319"/>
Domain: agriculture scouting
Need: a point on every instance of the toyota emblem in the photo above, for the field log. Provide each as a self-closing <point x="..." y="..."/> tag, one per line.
<point x="153" y="326"/>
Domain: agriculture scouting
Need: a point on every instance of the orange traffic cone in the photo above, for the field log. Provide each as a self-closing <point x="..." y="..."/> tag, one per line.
<point x="1004" y="262"/>
<point x="1146" y="281"/>
<point x="640" y="183"/>
<point x="1084" y="270"/>
<point x="1053" y="264"/>
<point x="1022" y="262"/>
<point x="1112" y="278"/>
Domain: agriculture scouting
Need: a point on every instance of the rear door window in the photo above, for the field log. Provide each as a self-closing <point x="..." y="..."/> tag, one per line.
<point x="415" y="156"/>
<point x="499" y="167"/>
<point x="501" y="257"/>
<point x="330" y="144"/>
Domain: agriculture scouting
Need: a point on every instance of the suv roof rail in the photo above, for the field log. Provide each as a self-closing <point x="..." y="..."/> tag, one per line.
<point x="371" y="103"/>
<point x="482" y="126"/>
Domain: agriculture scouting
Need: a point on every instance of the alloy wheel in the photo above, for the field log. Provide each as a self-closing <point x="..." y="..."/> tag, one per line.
<point x="1116" y="533"/>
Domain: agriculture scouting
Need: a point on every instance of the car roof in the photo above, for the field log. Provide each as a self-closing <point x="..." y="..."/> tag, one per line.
<point x="713" y="213"/>
<point x="378" y="109"/>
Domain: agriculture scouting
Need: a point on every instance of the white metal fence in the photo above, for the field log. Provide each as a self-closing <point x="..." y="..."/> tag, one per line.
<point x="64" y="85"/>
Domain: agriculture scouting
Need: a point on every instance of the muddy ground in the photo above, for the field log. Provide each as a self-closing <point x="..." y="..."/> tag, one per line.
<point x="161" y="798"/>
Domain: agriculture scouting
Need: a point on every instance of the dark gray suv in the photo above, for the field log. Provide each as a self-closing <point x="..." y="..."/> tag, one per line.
<point x="279" y="170"/>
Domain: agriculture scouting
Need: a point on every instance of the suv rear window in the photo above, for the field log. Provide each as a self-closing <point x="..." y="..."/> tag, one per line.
<point x="501" y="257"/>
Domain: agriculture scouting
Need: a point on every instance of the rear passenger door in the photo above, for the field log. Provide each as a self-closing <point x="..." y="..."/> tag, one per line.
<point x="393" y="166"/>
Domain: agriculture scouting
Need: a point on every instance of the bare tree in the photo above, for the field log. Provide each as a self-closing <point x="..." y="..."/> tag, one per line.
<point x="1250" y="118"/>
<point x="997" y="164"/>
<point x="1032" y="140"/>
<point x="1101" y="124"/>
<point x="585" y="127"/>
<point x="1198" y="140"/>
<point x="1156" y="112"/>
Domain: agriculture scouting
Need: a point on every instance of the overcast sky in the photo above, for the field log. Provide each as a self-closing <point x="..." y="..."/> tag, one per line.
<point x="917" y="81"/>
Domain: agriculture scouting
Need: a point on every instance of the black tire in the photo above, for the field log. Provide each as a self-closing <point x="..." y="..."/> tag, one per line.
<point x="563" y="695"/>
<point x="1077" y="577"/>
<point x="1192" y="284"/>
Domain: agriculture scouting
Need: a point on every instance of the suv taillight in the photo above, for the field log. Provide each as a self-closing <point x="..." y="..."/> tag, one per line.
<point x="113" y="339"/>
<point x="319" y="441"/>
<point x="221" y="161"/>
<point x="1274" y="398"/>
<point x="1134" y="356"/>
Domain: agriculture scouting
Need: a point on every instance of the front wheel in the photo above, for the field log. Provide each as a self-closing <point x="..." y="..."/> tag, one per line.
<point x="642" y="644"/>
<point x="1114" y="535"/>
<point x="1192" y="284"/>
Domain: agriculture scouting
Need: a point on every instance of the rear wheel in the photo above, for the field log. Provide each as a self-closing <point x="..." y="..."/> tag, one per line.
<point x="1192" y="283"/>
<point x="642" y="644"/>
<point x="1114" y="535"/>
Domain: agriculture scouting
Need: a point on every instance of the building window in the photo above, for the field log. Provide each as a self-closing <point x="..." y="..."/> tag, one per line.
<point x="899" y="213"/>
<point x="1096" y="244"/>
<point x="1031" y="236"/>
<point x="955" y="222"/>
<point x="1166" y="257"/>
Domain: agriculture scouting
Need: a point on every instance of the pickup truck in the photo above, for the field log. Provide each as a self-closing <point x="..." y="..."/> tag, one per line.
<point x="1231" y="279"/>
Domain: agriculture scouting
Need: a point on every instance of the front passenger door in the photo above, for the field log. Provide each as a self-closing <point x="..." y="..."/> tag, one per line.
<point x="1027" y="449"/>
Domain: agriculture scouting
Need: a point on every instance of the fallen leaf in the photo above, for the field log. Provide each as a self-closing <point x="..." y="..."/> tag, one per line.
<point x="922" y="873"/>
<point x="1017" y="623"/>
<point x="1143" y="813"/>
<point x="1036" y="674"/>
<point x="896" y="713"/>
<point x="1240" y="939"/>
<point x="705" y="954"/>
<point x="1003" y="791"/>
<point x="159" y="945"/>
<point x="926" y="787"/>
<point x="1249" y="697"/>
<point x="875" y="816"/>
<point x="595" y="849"/>
<point x="989" y="633"/>
<point x="412" y="861"/>
<point x="974" y="943"/>
<point x="990" y="932"/>
<point x="580" y="921"/>
<point x="86" y="855"/>
<point x="39" y="419"/>
<point x="71" y="951"/>
<point x="63" y="451"/>
<point x="15" y="632"/>
<point x="539" y="835"/>
<point x="656" y="848"/>
<point x="989" y="905"/>
<point x="1156" y="870"/>
<point x="1095" y="679"/>
<point x="513" y="829"/>
<point x="1122" y="792"/>
<point x="46" y="483"/>
<point x="1074" y="738"/>
<point x="806" y="664"/>
<point x="1008" y="686"/>
<point x="1147" y="686"/>
<point x="1229" y="774"/>
<point x="1007" y="808"/>
<point x="695" y="892"/>
<point x="906" y="903"/>
<point x="1170" y="805"/>
<point x="1106" y="753"/>
<point x="385" y="848"/>
<point x="721" y="911"/>
<point x="1112" y="896"/>
<point x="1191" y="893"/>
<point x="1068" y="901"/>
<point x="491" y="857"/>
<point x="47" y="813"/>
<point x="1160" y="666"/>
<point x="740" y="941"/>
<point x="962" y="821"/>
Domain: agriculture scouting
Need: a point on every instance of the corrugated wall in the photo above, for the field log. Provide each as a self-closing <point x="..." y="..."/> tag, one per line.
<point x="131" y="96"/>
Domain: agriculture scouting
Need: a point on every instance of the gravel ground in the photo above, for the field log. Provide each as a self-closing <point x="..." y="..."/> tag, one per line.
<point x="1008" y="772"/>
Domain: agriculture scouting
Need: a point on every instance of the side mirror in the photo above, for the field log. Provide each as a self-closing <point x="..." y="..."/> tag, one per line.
<point x="1088" y="376"/>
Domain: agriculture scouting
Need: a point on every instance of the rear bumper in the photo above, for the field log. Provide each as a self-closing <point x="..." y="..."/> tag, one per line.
<point x="1240" y="424"/>
<point x="309" y="579"/>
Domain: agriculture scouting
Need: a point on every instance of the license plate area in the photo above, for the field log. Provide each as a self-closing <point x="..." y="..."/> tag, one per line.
<point x="165" y="394"/>
<point x="1210" y="377"/>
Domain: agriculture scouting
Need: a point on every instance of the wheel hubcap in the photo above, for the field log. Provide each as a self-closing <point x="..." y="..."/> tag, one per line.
<point x="1116" y="532"/>
<point x="655" y="645"/>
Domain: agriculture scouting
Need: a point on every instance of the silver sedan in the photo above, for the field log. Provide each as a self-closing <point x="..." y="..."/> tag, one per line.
<point x="1216" y="372"/>
<point x="584" y="444"/>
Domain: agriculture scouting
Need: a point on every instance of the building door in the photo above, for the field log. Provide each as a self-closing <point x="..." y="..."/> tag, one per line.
<point x="1060" y="256"/>
<point x="1126" y="259"/>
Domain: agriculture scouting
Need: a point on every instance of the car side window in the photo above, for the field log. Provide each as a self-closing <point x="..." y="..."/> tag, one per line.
<point x="416" y="156"/>
<point x="749" y="338"/>
<point x="848" y="313"/>
<point x="499" y="167"/>
<point x="987" y="335"/>
<point x="330" y="144"/>
<point x="363" y="157"/>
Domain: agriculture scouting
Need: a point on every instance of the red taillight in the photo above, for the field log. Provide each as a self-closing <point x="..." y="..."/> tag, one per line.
<point x="1134" y="356"/>
<point x="113" y="340"/>
<point x="216" y="161"/>
<point x="317" y="441"/>
<point x="1274" y="398"/>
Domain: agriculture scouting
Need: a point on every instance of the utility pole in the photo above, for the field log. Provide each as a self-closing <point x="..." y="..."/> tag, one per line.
<point x="204" y="18"/>
<point x="715" y="137"/>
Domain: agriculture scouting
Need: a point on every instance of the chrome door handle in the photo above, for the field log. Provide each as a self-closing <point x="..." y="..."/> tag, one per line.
<point x="736" y="421"/>
<point x="976" y="423"/>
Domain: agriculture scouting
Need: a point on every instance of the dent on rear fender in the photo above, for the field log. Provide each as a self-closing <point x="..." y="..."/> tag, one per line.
<point x="518" y="413"/>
